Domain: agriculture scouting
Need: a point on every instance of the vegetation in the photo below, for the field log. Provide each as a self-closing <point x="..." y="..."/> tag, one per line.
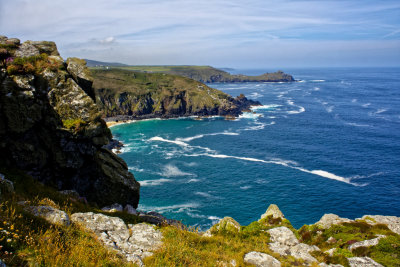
<point x="31" y="65"/>
<point x="27" y="240"/>
<point x="123" y="92"/>
<point x="206" y="74"/>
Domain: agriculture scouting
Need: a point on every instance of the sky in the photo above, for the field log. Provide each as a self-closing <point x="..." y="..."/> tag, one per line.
<point x="221" y="33"/>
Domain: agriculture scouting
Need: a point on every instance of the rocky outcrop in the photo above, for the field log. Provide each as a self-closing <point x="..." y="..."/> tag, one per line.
<point x="366" y="243"/>
<point x="273" y="211"/>
<point x="285" y="243"/>
<point x="363" y="262"/>
<point x="50" y="214"/>
<point x="328" y="220"/>
<point x="126" y="95"/>
<point x="51" y="128"/>
<point x="6" y="185"/>
<point x="261" y="259"/>
<point x="133" y="241"/>
<point x="392" y="222"/>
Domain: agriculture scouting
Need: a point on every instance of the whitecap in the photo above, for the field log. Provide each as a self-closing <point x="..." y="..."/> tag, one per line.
<point x="381" y="110"/>
<point x="170" y="170"/>
<point x="301" y="110"/>
<point x="263" y="107"/>
<point x="288" y="164"/>
<point x="158" y="138"/>
<point x="354" y="100"/>
<point x="317" y="81"/>
<point x="356" y="124"/>
<point x="366" y="105"/>
<point x="206" y="195"/>
<point x="188" y="139"/>
<point x="155" y="182"/>
<point x="245" y="187"/>
<point x="316" y="88"/>
<point x="193" y="181"/>
<point x="172" y="208"/>
<point x="330" y="109"/>
<point x="255" y="95"/>
<point x="249" y="115"/>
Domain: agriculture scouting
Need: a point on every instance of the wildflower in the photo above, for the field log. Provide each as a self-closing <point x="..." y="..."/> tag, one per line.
<point x="12" y="227"/>
<point x="6" y="252"/>
<point x="9" y="240"/>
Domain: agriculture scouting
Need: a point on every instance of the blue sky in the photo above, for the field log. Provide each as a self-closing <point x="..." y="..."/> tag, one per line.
<point x="222" y="33"/>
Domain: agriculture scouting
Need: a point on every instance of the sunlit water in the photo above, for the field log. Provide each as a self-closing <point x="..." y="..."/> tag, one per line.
<point x="327" y="144"/>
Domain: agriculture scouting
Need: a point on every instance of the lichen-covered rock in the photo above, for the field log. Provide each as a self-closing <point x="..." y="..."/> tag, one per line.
<point x="50" y="214"/>
<point x="227" y="224"/>
<point x="366" y="243"/>
<point x="328" y="220"/>
<point x="392" y="222"/>
<point x="363" y="262"/>
<point x="81" y="74"/>
<point x="283" y="235"/>
<point x="323" y="264"/>
<point x="27" y="50"/>
<point x="261" y="259"/>
<point x="274" y="211"/>
<point x="52" y="129"/>
<point x="134" y="242"/>
<point x="285" y="243"/>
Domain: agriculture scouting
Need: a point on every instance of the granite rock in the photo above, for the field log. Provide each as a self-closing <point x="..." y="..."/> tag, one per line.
<point x="261" y="259"/>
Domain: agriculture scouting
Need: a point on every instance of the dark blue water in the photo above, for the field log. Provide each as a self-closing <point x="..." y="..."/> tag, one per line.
<point x="328" y="144"/>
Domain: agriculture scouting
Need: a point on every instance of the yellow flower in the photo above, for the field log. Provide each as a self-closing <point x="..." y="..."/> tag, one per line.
<point x="9" y="240"/>
<point x="12" y="227"/>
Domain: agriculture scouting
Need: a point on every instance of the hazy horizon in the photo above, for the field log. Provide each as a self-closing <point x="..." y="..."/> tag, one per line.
<point x="235" y="34"/>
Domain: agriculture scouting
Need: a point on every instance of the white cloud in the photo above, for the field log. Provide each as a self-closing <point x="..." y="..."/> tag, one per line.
<point x="178" y="31"/>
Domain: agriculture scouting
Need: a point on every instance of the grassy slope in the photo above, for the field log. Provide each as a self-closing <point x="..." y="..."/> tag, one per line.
<point x="111" y="84"/>
<point x="204" y="73"/>
<point x="33" y="241"/>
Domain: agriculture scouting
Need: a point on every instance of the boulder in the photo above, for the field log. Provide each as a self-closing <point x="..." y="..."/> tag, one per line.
<point x="366" y="243"/>
<point x="134" y="242"/>
<point x="130" y="210"/>
<point x="50" y="214"/>
<point x="227" y="224"/>
<point x="323" y="264"/>
<point x="285" y="243"/>
<point x="113" y="208"/>
<point x="328" y="220"/>
<point x="261" y="259"/>
<point x="363" y="262"/>
<point x="392" y="222"/>
<point x="49" y="48"/>
<point x="26" y="50"/>
<point x="274" y="211"/>
<point x="283" y="235"/>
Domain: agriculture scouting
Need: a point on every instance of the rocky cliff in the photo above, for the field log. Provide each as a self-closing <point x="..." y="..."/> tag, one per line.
<point x="51" y="128"/>
<point x="144" y="95"/>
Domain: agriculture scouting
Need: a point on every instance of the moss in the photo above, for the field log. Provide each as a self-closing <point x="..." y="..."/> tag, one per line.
<point x="77" y="125"/>
<point x="387" y="252"/>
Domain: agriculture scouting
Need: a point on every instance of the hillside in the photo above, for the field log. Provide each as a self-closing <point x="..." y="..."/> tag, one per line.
<point x="208" y="74"/>
<point x="143" y="95"/>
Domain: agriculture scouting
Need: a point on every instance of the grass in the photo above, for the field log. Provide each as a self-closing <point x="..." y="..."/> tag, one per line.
<point x="27" y="240"/>
<point x="31" y="65"/>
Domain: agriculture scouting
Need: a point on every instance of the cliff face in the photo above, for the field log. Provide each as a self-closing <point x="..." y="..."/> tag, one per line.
<point x="144" y="95"/>
<point x="51" y="128"/>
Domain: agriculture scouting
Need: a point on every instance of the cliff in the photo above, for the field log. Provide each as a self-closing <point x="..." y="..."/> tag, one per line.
<point x="147" y="95"/>
<point x="51" y="128"/>
<point x="205" y="74"/>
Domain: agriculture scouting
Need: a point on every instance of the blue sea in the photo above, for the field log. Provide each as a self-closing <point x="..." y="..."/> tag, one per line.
<point x="329" y="143"/>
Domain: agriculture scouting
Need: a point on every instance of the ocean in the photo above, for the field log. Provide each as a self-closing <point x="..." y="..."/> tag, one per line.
<point x="329" y="143"/>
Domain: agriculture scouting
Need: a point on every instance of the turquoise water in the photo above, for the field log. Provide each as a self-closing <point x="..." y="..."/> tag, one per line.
<point x="327" y="144"/>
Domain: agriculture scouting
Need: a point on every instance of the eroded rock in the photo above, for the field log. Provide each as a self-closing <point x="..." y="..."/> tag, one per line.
<point x="328" y="220"/>
<point x="366" y="243"/>
<point x="274" y="211"/>
<point x="134" y="242"/>
<point x="392" y="222"/>
<point x="261" y="259"/>
<point x="50" y="214"/>
<point x="363" y="262"/>
<point x="285" y="243"/>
